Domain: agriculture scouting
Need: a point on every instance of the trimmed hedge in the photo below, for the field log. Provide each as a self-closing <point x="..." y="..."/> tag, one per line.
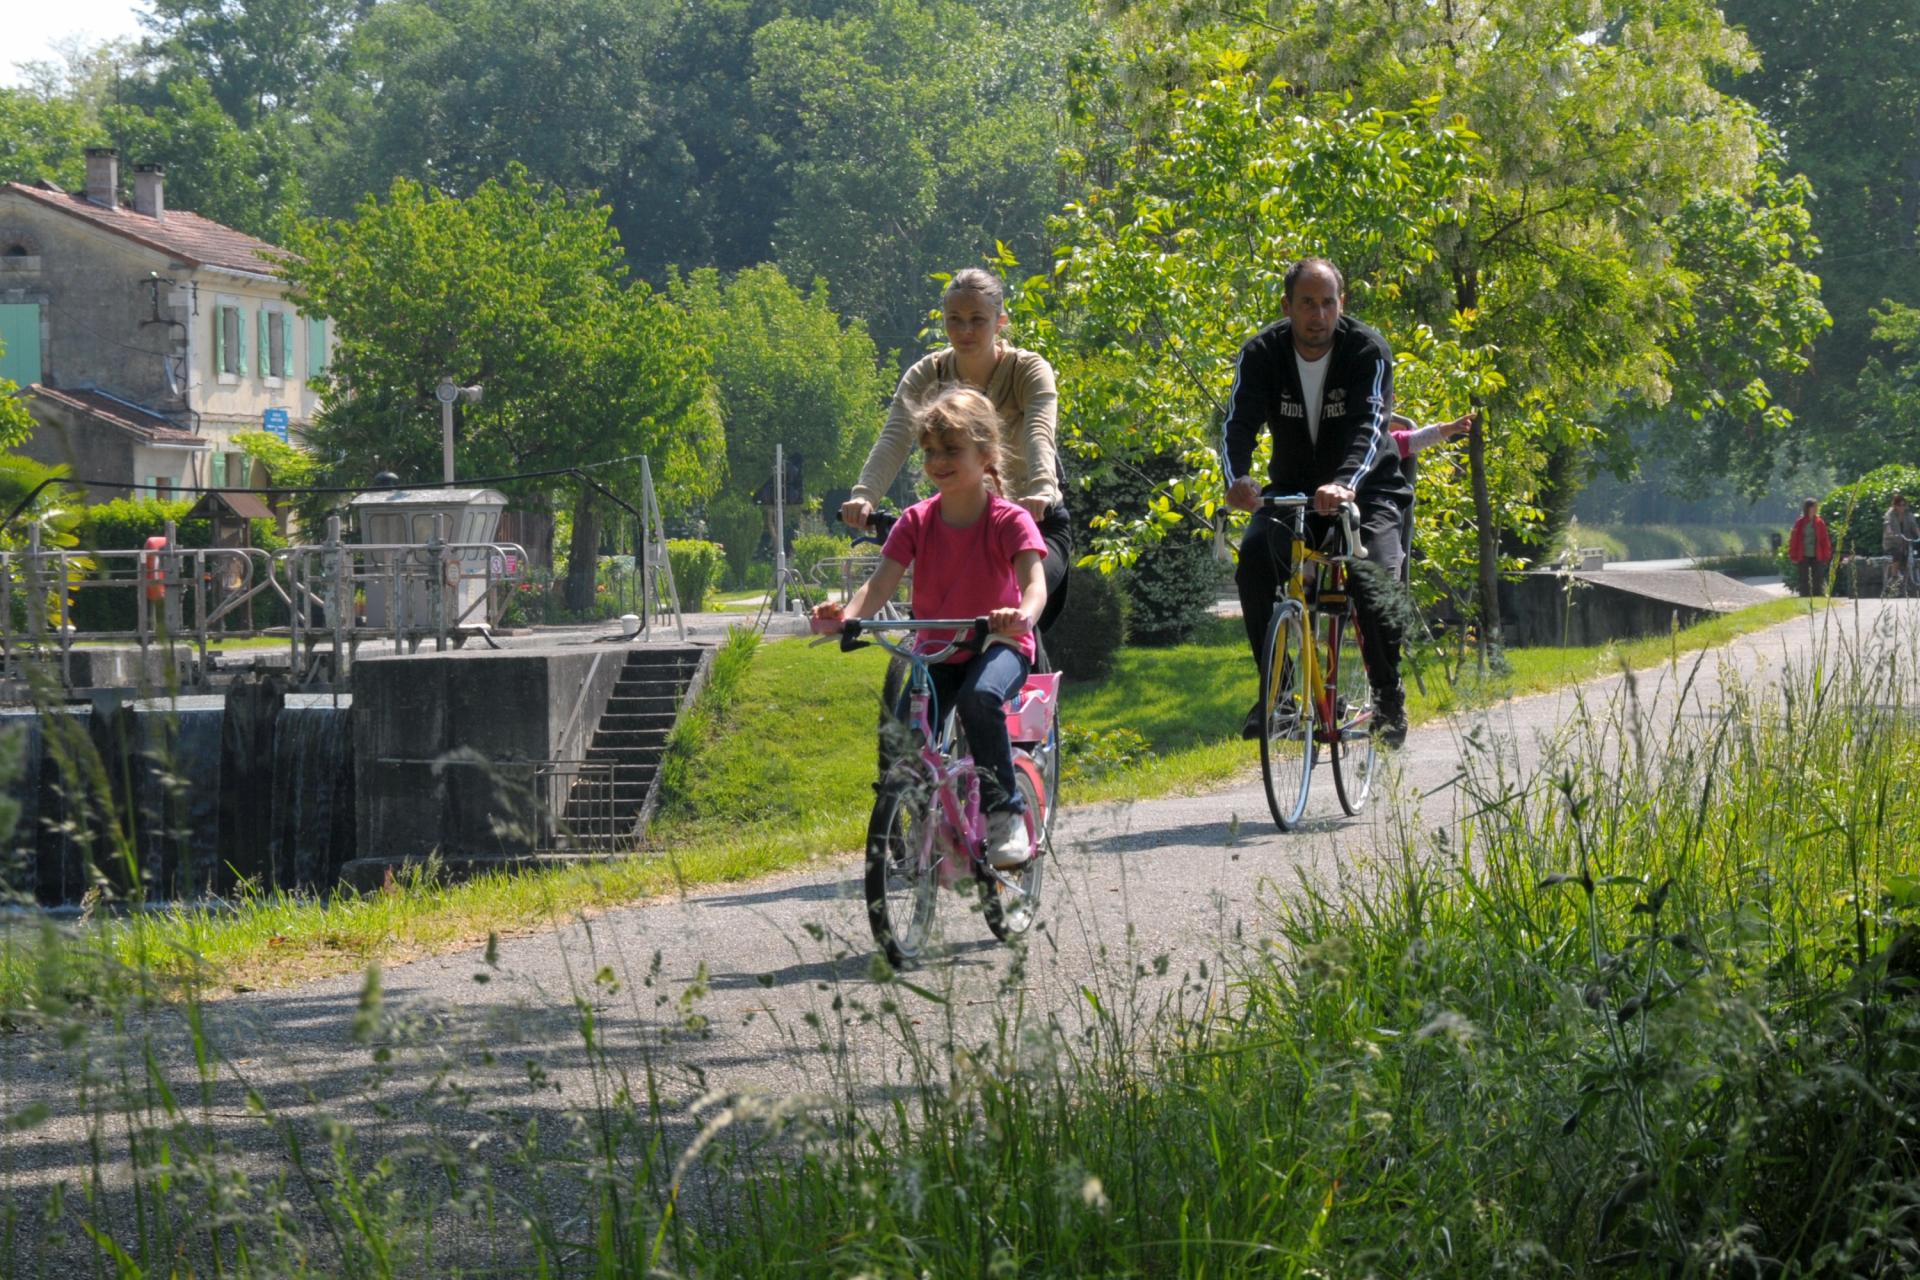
<point x="696" y="570"/>
<point x="125" y="524"/>
<point x="810" y="549"/>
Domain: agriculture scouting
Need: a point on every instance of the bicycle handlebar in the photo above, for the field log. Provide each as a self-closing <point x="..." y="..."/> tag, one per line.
<point x="1349" y="514"/>
<point x="971" y="634"/>
<point x="880" y="523"/>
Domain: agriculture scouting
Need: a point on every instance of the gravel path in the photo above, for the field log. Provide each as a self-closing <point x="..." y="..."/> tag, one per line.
<point x="765" y="987"/>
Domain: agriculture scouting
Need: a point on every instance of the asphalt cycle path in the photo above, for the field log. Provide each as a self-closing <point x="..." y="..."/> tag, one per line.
<point x="767" y="990"/>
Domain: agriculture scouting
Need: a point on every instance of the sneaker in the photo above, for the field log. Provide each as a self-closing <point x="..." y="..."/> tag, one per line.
<point x="1250" y="728"/>
<point x="1007" y="840"/>
<point x="1390" y="716"/>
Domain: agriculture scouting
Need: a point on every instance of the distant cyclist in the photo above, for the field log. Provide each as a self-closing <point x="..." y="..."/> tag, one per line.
<point x="1897" y="534"/>
<point x="1322" y="384"/>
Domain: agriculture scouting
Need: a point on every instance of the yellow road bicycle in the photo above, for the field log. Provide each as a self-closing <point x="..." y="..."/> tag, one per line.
<point x="1314" y="688"/>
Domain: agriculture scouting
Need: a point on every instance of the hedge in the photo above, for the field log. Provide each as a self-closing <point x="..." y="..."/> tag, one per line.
<point x="1092" y="626"/>
<point x="696" y="570"/>
<point x="1856" y="512"/>
<point x="125" y="524"/>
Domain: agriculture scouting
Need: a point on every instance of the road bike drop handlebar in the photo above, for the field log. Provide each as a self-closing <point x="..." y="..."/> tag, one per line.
<point x="971" y="637"/>
<point x="1298" y="503"/>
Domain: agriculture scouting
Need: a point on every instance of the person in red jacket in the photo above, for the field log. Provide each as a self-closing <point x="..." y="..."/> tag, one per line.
<point x="1810" y="547"/>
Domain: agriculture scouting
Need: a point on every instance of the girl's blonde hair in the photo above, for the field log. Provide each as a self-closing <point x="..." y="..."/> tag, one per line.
<point x="961" y="415"/>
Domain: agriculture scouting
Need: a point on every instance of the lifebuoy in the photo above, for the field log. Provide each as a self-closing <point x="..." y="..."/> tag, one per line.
<point x="150" y="570"/>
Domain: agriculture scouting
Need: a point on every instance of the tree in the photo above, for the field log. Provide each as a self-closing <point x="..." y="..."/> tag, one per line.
<point x="523" y="291"/>
<point x="1593" y="130"/>
<point x="1165" y="273"/>
<point x="245" y="177"/>
<point x="45" y="139"/>
<point x="258" y="56"/>
<point x="788" y="371"/>
<point x="1885" y="407"/>
<point x="904" y="160"/>
<point x="1840" y="82"/>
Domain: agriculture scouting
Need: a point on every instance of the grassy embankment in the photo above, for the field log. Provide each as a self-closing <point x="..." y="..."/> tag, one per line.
<point x="778" y="774"/>
<point x="1651" y="1013"/>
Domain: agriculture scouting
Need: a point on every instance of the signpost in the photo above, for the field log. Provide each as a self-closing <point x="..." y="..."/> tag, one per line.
<point x="274" y="423"/>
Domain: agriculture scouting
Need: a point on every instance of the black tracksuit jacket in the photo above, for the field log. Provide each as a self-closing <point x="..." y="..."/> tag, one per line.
<point x="1355" y="447"/>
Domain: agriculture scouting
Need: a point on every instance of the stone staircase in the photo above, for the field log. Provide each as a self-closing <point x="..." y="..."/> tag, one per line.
<point x="611" y="799"/>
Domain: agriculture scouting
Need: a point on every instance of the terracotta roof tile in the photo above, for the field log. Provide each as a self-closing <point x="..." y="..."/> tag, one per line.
<point x="150" y="427"/>
<point x="186" y="236"/>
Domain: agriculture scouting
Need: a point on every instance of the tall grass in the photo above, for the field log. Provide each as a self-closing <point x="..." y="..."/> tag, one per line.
<point x="1648" y="1008"/>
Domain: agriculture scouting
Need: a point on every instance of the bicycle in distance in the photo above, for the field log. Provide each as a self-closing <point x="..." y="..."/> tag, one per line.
<point x="929" y="829"/>
<point x="1314" y="689"/>
<point x="1903" y="573"/>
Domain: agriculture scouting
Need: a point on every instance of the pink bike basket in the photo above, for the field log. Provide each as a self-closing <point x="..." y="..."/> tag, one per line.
<point x="1030" y="714"/>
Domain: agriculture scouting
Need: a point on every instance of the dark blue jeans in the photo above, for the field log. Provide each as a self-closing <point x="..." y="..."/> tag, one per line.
<point x="979" y="689"/>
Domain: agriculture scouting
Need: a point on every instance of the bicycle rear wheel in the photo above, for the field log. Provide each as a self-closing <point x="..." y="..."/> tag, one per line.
<point x="902" y="887"/>
<point x="1287" y="747"/>
<point x="1354" y="753"/>
<point x="1010" y="911"/>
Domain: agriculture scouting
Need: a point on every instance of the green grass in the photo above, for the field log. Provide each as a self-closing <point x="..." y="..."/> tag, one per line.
<point x="781" y="778"/>
<point x="1649" y="1011"/>
<point x="1673" y="541"/>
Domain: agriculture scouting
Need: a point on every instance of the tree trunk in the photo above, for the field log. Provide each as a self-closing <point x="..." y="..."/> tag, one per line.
<point x="1467" y="298"/>
<point x="583" y="553"/>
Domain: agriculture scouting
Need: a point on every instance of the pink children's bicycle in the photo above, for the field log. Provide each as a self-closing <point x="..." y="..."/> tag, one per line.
<point x="928" y="829"/>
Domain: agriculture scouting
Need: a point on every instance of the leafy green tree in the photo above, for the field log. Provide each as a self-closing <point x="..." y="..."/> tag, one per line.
<point x="523" y="291"/>
<point x="245" y="177"/>
<point x="907" y="157"/>
<point x="1840" y="81"/>
<point x="1164" y="274"/>
<point x="45" y="138"/>
<point x="1594" y="129"/>
<point x="1885" y="406"/>
<point x="258" y="56"/>
<point x="789" y="372"/>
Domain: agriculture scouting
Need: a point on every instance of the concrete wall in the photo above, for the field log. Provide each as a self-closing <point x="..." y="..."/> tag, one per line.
<point x="1535" y="610"/>
<point x="445" y="745"/>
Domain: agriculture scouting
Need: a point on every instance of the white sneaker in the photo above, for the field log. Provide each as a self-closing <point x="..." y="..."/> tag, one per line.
<point x="1007" y="840"/>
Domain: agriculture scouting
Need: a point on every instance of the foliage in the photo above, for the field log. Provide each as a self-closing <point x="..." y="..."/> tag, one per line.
<point x="1848" y="112"/>
<point x="1089" y="757"/>
<point x="1167" y="270"/>
<point x="16" y="424"/>
<point x="1856" y="512"/>
<point x="810" y="550"/>
<point x="1884" y="418"/>
<point x="43" y="138"/>
<point x="788" y="372"/>
<point x="57" y="508"/>
<point x="1093" y="625"/>
<point x="244" y="177"/>
<point x="292" y="466"/>
<point x="696" y="570"/>
<point x="739" y="525"/>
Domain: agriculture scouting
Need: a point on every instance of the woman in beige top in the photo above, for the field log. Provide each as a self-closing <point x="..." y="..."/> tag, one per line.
<point x="1020" y="385"/>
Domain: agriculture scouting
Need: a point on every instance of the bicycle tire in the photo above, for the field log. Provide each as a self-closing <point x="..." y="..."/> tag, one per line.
<point x="1352" y="750"/>
<point x="1009" y="915"/>
<point x="1286" y="745"/>
<point x="901" y="884"/>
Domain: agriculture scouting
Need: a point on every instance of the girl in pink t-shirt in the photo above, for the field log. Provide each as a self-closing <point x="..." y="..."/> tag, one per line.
<point x="973" y="554"/>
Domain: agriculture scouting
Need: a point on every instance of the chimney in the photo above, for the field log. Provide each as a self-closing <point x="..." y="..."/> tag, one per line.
<point x="149" y="190"/>
<point x="103" y="177"/>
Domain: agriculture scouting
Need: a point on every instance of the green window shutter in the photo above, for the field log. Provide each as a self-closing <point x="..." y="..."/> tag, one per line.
<point x="239" y="342"/>
<point x="218" y="469"/>
<point x="260" y="331"/>
<point x="316" y="346"/>
<point x="285" y="321"/>
<point x="20" y="342"/>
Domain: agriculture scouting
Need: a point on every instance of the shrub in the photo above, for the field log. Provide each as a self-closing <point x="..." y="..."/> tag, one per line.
<point x="125" y="524"/>
<point x="696" y="569"/>
<point x="1174" y="583"/>
<point x="810" y="549"/>
<point x="1087" y="636"/>
<point x="1855" y="511"/>
<point x="737" y="525"/>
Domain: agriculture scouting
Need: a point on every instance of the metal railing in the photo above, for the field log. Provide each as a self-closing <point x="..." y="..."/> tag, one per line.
<point x="189" y="597"/>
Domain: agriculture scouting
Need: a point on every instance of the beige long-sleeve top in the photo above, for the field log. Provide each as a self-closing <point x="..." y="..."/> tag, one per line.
<point x="1021" y="387"/>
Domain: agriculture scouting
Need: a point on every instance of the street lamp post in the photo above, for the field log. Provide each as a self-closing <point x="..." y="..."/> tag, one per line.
<point x="446" y="393"/>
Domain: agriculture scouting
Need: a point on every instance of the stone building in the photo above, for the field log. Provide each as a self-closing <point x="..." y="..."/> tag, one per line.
<point x="145" y="338"/>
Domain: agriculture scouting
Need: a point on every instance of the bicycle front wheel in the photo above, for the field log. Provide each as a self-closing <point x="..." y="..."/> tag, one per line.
<point x="1354" y="754"/>
<point x="1010" y="911"/>
<point x="902" y="887"/>
<point x="1286" y="746"/>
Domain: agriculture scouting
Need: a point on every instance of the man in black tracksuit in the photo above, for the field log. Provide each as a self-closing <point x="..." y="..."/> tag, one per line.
<point x="1322" y="383"/>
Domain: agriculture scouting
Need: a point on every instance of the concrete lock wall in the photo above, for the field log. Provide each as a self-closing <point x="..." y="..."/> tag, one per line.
<point x="447" y="747"/>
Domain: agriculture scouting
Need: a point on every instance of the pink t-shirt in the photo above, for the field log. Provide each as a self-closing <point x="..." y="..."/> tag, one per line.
<point x="963" y="572"/>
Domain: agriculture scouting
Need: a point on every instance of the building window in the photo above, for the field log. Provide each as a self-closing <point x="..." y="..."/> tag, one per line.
<point x="229" y="342"/>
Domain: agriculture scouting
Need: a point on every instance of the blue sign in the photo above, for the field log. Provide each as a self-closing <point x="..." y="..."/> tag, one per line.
<point x="275" y="423"/>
